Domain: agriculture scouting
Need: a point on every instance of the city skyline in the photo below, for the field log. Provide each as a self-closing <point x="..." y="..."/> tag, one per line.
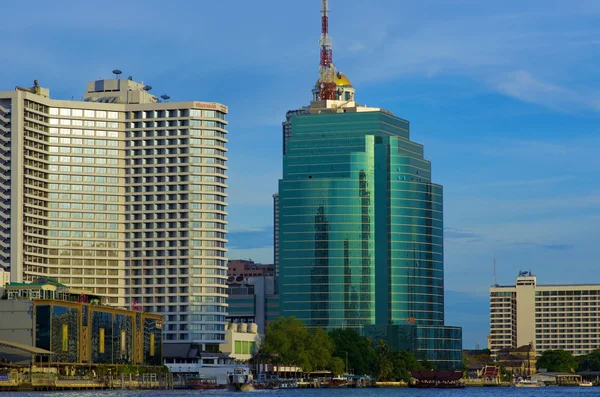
<point x="499" y="94"/>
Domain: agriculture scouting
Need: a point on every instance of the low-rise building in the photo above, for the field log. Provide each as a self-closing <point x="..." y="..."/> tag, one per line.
<point x="241" y="341"/>
<point x="75" y="328"/>
<point x="247" y="268"/>
<point x="4" y="276"/>
<point x="252" y="300"/>
<point x="520" y="361"/>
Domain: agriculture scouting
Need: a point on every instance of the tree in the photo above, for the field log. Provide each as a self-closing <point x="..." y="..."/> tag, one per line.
<point x="336" y="366"/>
<point x="403" y="362"/>
<point x="356" y="348"/>
<point x="557" y="361"/>
<point x="383" y="364"/>
<point x="320" y="348"/>
<point x="287" y="338"/>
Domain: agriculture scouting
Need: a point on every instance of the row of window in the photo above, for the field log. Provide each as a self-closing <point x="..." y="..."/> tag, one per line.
<point x="174" y="113"/>
<point x="84" y="123"/>
<point x="81" y="225"/>
<point x="82" y="197"/>
<point x="87" y="179"/>
<point x="173" y="234"/>
<point x="86" y="170"/>
<point x="86" y="244"/>
<point x="99" y="114"/>
<point x="85" y="160"/>
<point x="84" y="188"/>
<point x="175" y="197"/>
<point x="78" y="150"/>
<point x="83" y="141"/>
<point x="83" y="206"/>
<point x="81" y="132"/>
<point x="81" y="234"/>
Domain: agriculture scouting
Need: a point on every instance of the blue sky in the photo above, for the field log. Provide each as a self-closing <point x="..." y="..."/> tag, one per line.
<point x="504" y="96"/>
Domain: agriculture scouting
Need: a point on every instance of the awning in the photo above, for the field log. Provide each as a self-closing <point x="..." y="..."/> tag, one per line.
<point x="24" y="348"/>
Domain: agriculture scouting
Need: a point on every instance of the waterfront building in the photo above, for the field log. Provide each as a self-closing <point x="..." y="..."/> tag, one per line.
<point x="241" y="341"/>
<point x="69" y="326"/>
<point x="253" y="300"/>
<point x="121" y="195"/>
<point x="552" y="316"/>
<point x="361" y="223"/>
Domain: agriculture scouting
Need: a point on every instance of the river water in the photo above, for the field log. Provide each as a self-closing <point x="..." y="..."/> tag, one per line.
<point x="400" y="392"/>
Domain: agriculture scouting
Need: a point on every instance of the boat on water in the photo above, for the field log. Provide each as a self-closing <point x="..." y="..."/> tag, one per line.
<point x="202" y="383"/>
<point x="288" y="384"/>
<point x="586" y="384"/>
<point x="527" y="383"/>
<point x="240" y="379"/>
<point x="338" y="382"/>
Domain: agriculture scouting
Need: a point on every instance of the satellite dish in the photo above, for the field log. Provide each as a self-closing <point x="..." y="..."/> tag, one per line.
<point x="239" y="278"/>
<point x="130" y="78"/>
<point x="117" y="72"/>
<point x="165" y="97"/>
<point x="147" y="87"/>
<point x="322" y="85"/>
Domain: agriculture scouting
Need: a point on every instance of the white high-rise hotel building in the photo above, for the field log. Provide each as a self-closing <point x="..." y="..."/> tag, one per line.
<point x="122" y="195"/>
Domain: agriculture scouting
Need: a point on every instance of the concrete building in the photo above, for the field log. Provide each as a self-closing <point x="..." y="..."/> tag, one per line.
<point x="75" y="327"/>
<point x="248" y="268"/>
<point x="4" y="276"/>
<point x="546" y="316"/>
<point x="253" y="301"/>
<point x="122" y="195"/>
<point x="241" y="341"/>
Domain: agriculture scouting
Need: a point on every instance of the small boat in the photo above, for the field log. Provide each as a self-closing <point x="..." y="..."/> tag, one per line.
<point x="527" y="383"/>
<point x="202" y="383"/>
<point x="586" y="384"/>
<point x="240" y="379"/>
<point x="338" y="382"/>
<point x="288" y="384"/>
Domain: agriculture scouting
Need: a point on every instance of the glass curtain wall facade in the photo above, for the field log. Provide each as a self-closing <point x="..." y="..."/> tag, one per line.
<point x="358" y="210"/>
<point x="361" y="232"/>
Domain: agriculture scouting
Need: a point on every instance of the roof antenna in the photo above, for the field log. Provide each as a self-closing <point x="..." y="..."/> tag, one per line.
<point x="165" y="97"/>
<point x="495" y="283"/>
<point x="117" y="73"/>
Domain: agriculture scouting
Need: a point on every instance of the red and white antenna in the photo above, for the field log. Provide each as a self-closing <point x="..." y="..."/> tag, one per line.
<point x="327" y="87"/>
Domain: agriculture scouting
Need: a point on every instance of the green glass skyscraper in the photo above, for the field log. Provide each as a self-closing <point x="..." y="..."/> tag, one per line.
<point x="361" y="229"/>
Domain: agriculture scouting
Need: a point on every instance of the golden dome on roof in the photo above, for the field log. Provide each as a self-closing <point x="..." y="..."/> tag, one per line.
<point x="340" y="80"/>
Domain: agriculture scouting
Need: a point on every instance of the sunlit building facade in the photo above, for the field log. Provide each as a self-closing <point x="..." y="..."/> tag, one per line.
<point x="548" y="317"/>
<point x="122" y="195"/>
<point x="361" y="228"/>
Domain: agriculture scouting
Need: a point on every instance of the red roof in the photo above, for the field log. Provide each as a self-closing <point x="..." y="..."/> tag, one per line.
<point x="490" y="372"/>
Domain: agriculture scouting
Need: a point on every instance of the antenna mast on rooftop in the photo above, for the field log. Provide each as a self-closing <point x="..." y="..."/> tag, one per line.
<point x="327" y="87"/>
<point x="495" y="283"/>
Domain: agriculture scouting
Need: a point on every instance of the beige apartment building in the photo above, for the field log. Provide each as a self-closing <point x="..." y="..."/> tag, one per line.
<point x="121" y="194"/>
<point x="548" y="316"/>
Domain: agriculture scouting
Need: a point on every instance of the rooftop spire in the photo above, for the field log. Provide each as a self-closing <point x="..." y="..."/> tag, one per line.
<point x="327" y="87"/>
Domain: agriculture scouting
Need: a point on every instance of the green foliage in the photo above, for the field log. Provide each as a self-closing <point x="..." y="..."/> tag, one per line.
<point x="359" y="350"/>
<point x="336" y="366"/>
<point x="383" y="363"/>
<point x="288" y="342"/>
<point x="293" y="344"/>
<point x="589" y="362"/>
<point x="557" y="361"/>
